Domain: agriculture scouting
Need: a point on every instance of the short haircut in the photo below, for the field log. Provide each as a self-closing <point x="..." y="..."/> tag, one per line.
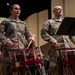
<point x="11" y="6"/>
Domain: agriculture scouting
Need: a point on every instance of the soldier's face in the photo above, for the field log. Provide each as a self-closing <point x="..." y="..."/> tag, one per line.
<point x="58" y="11"/>
<point x="16" y="11"/>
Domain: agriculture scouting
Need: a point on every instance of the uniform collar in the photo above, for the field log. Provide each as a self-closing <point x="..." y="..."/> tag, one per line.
<point x="57" y="20"/>
<point x="14" y="19"/>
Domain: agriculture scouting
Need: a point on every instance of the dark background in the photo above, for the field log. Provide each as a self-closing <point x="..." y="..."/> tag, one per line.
<point x="28" y="7"/>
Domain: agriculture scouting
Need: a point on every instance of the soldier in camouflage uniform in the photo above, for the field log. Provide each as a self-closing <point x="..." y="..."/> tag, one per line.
<point x="14" y="34"/>
<point x="48" y="33"/>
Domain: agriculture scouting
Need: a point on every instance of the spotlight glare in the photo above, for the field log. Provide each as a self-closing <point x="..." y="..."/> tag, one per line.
<point x="7" y="3"/>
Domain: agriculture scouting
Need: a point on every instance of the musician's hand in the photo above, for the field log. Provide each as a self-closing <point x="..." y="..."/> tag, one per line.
<point x="32" y="38"/>
<point x="54" y="43"/>
<point x="9" y="43"/>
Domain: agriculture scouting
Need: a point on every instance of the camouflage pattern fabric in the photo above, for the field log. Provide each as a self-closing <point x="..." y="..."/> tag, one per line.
<point x="16" y="31"/>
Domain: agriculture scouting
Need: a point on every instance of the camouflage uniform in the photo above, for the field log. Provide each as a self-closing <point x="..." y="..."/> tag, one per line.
<point x="48" y="33"/>
<point x="18" y="32"/>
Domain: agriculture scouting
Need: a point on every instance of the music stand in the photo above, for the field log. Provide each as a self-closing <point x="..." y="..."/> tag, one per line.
<point x="67" y="26"/>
